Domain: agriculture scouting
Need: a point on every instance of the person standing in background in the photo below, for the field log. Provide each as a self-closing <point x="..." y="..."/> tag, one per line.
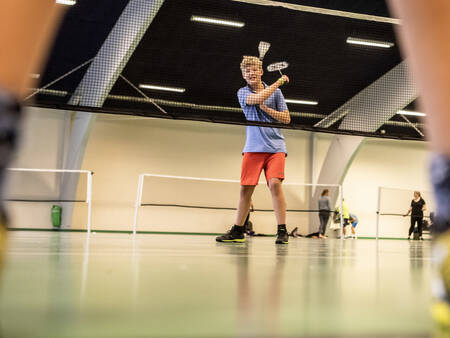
<point x="324" y="212"/>
<point x="418" y="206"/>
<point x="345" y="216"/>
<point x="353" y="222"/>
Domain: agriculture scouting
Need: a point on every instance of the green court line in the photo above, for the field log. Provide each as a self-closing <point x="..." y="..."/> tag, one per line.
<point x="168" y="233"/>
<point x="118" y="231"/>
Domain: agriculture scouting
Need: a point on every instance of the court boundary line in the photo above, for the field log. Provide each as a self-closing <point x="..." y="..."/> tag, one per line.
<point x="173" y="233"/>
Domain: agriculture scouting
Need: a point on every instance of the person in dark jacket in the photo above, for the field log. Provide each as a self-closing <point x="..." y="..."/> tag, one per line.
<point x="418" y="206"/>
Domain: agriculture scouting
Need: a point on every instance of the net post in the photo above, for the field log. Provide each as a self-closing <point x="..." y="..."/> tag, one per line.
<point x="138" y="202"/>
<point x="89" y="200"/>
<point x="341" y="210"/>
<point x="378" y="214"/>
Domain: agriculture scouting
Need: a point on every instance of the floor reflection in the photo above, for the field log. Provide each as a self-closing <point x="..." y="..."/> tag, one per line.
<point x="190" y="286"/>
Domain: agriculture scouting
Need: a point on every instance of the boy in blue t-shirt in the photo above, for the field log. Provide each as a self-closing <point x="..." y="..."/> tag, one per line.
<point x="264" y="147"/>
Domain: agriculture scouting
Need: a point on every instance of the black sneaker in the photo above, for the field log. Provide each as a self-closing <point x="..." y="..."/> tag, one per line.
<point x="282" y="237"/>
<point x="234" y="235"/>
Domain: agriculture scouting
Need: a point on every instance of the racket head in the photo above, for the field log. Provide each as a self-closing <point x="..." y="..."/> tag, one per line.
<point x="274" y="67"/>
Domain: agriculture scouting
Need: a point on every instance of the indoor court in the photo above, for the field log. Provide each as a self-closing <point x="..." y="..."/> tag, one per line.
<point x="110" y="285"/>
<point x="221" y="168"/>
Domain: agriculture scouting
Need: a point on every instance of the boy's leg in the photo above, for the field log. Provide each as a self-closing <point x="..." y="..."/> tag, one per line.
<point x="278" y="200"/>
<point x="236" y="234"/>
<point x="279" y="206"/>
<point x="245" y="198"/>
<point x="26" y="29"/>
<point x="425" y="36"/>
<point x="274" y="171"/>
<point x="252" y="164"/>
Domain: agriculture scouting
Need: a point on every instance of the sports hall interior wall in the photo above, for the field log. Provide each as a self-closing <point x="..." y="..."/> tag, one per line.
<point x="121" y="148"/>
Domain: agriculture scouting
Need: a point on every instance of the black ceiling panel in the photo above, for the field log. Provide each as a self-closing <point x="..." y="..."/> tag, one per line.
<point x="81" y="34"/>
<point x="204" y="59"/>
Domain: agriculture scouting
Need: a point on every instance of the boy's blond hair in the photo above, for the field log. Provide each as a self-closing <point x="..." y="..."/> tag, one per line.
<point x="248" y="61"/>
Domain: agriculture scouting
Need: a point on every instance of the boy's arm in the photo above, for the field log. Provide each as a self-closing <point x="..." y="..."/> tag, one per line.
<point x="259" y="98"/>
<point x="281" y="111"/>
<point x="280" y="116"/>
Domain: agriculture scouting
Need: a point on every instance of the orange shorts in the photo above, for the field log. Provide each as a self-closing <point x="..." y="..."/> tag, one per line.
<point x="254" y="163"/>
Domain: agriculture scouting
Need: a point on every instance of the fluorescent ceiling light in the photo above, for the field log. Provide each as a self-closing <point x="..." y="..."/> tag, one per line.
<point x="313" y="103"/>
<point x="163" y="88"/>
<point x="217" y="21"/>
<point x="66" y="2"/>
<point x="411" y="113"/>
<point x="372" y="43"/>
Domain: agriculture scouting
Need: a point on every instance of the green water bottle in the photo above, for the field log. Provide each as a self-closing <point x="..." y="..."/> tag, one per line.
<point x="56" y="215"/>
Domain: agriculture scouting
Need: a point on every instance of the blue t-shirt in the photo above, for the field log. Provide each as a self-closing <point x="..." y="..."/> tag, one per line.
<point x="262" y="139"/>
